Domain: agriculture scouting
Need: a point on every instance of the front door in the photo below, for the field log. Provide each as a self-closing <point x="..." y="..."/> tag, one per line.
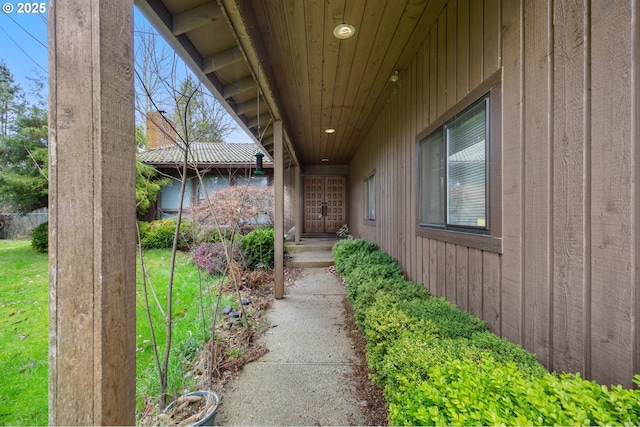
<point x="324" y="204"/>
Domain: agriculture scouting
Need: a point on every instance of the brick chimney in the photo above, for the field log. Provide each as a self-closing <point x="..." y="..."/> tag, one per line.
<point x="159" y="131"/>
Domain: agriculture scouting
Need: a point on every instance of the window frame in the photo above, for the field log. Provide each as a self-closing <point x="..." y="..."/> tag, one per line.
<point x="491" y="238"/>
<point x="369" y="181"/>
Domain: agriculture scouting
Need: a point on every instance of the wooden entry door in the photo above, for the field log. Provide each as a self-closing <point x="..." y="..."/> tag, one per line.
<point x="324" y="204"/>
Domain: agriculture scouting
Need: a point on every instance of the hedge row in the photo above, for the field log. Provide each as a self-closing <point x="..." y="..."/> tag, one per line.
<point x="441" y="366"/>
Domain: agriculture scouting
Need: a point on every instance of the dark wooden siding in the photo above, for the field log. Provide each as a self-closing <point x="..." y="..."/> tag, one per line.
<point x="566" y="285"/>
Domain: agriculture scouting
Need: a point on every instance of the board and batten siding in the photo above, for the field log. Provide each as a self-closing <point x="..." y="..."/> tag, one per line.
<point x="566" y="284"/>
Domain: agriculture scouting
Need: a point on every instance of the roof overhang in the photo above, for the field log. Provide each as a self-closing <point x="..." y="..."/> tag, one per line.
<point x="269" y="61"/>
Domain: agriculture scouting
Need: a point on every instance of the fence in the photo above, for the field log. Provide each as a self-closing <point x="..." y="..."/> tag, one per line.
<point x="19" y="226"/>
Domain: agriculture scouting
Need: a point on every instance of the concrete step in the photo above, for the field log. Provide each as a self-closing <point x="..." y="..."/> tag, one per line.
<point x="304" y="247"/>
<point x="318" y="259"/>
<point x="310" y="253"/>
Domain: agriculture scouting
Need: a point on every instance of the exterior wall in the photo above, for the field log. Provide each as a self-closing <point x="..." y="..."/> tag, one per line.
<point x="565" y="284"/>
<point x="168" y="200"/>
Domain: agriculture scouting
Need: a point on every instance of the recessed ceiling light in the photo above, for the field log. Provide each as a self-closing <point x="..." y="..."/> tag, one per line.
<point x="330" y="130"/>
<point x="344" y="31"/>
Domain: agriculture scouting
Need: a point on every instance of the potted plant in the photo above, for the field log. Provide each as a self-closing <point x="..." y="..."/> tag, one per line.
<point x="197" y="408"/>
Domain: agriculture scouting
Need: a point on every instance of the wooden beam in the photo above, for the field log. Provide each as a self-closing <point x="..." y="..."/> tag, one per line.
<point x="195" y="18"/>
<point x="267" y="143"/>
<point x="222" y="60"/>
<point x="278" y="175"/>
<point x="259" y="120"/>
<point x="238" y="86"/>
<point x="92" y="350"/>
<point x="250" y="106"/>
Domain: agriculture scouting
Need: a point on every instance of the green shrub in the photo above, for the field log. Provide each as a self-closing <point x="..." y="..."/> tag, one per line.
<point x="40" y="238"/>
<point x="143" y="228"/>
<point x="383" y="324"/>
<point x="373" y="265"/>
<point x="344" y="250"/>
<point x="258" y="249"/>
<point x="505" y="351"/>
<point x="159" y="234"/>
<point x="440" y="365"/>
<point x="452" y="322"/>
<point x="362" y="295"/>
<point x="214" y="235"/>
<point x="485" y="392"/>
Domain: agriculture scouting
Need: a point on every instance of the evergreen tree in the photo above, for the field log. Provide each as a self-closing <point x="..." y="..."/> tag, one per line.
<point x="10" y="99"/>
<point x="24" y="162"/>
<point x="148" y="184"/>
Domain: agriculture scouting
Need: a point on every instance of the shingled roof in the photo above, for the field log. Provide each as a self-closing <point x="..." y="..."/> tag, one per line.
<point x="206" y="154"/>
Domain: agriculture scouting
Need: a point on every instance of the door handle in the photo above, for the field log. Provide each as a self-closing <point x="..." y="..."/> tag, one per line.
<point x="323" y="209"/>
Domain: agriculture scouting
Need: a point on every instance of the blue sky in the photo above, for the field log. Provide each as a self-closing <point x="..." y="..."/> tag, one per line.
<point x="23" y="41"/>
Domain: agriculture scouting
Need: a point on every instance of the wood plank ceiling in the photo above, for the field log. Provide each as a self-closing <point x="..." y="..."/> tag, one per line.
<point x="269" y="60"/>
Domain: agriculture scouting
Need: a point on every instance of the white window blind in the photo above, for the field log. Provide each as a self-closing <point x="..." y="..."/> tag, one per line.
<point x="453" y="171"/>
<point x="466" y="168"/>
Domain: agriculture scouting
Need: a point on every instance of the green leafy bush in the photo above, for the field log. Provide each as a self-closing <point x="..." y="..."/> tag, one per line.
<point x="484" y="392"/>
<point x="213" y="235"/>
<point x="440" y="365"/>
<point x="505" y="351"/>
<point x="362" y="295"/>
<point x="143" y="228"/>
<point x="258" y="249"/>
<point x="374" y="264"/>
<point x="159" y="234"/>
<point x="40" y="238"/>
<point x="452" y="322"/>
<point x="344" y="250"/>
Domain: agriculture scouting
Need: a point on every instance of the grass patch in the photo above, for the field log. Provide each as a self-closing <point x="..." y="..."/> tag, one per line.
<point x="24" y="329"/>
<point x="24" y="323"/>
<point x="192" y="308"/>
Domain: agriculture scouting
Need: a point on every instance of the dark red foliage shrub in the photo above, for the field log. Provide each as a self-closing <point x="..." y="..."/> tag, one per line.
<point x="212" y="257"/>
<point x="237" y="208"/>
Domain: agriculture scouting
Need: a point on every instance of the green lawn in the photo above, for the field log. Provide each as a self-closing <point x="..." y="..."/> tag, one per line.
<point x="24" y="323"/>
<point x="24" y="329"/>
<point x="191" y="323"/>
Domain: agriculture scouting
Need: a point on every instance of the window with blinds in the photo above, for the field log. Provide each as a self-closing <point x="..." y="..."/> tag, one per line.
<point x="370" y="198"/>
<point x="453" y="172"/>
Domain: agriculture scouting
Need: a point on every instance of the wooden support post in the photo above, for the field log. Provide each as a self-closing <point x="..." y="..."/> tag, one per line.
<point x="92" y="213"/>
<point x="278" y="175"/>
<point x="299" y="204"/>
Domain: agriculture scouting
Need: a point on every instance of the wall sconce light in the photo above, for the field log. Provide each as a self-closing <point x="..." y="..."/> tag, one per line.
<point x="394" y="77"/>
<point x="259" y="170"/>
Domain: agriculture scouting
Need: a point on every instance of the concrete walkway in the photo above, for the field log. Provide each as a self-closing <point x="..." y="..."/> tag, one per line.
<point x="304" y="378"/>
